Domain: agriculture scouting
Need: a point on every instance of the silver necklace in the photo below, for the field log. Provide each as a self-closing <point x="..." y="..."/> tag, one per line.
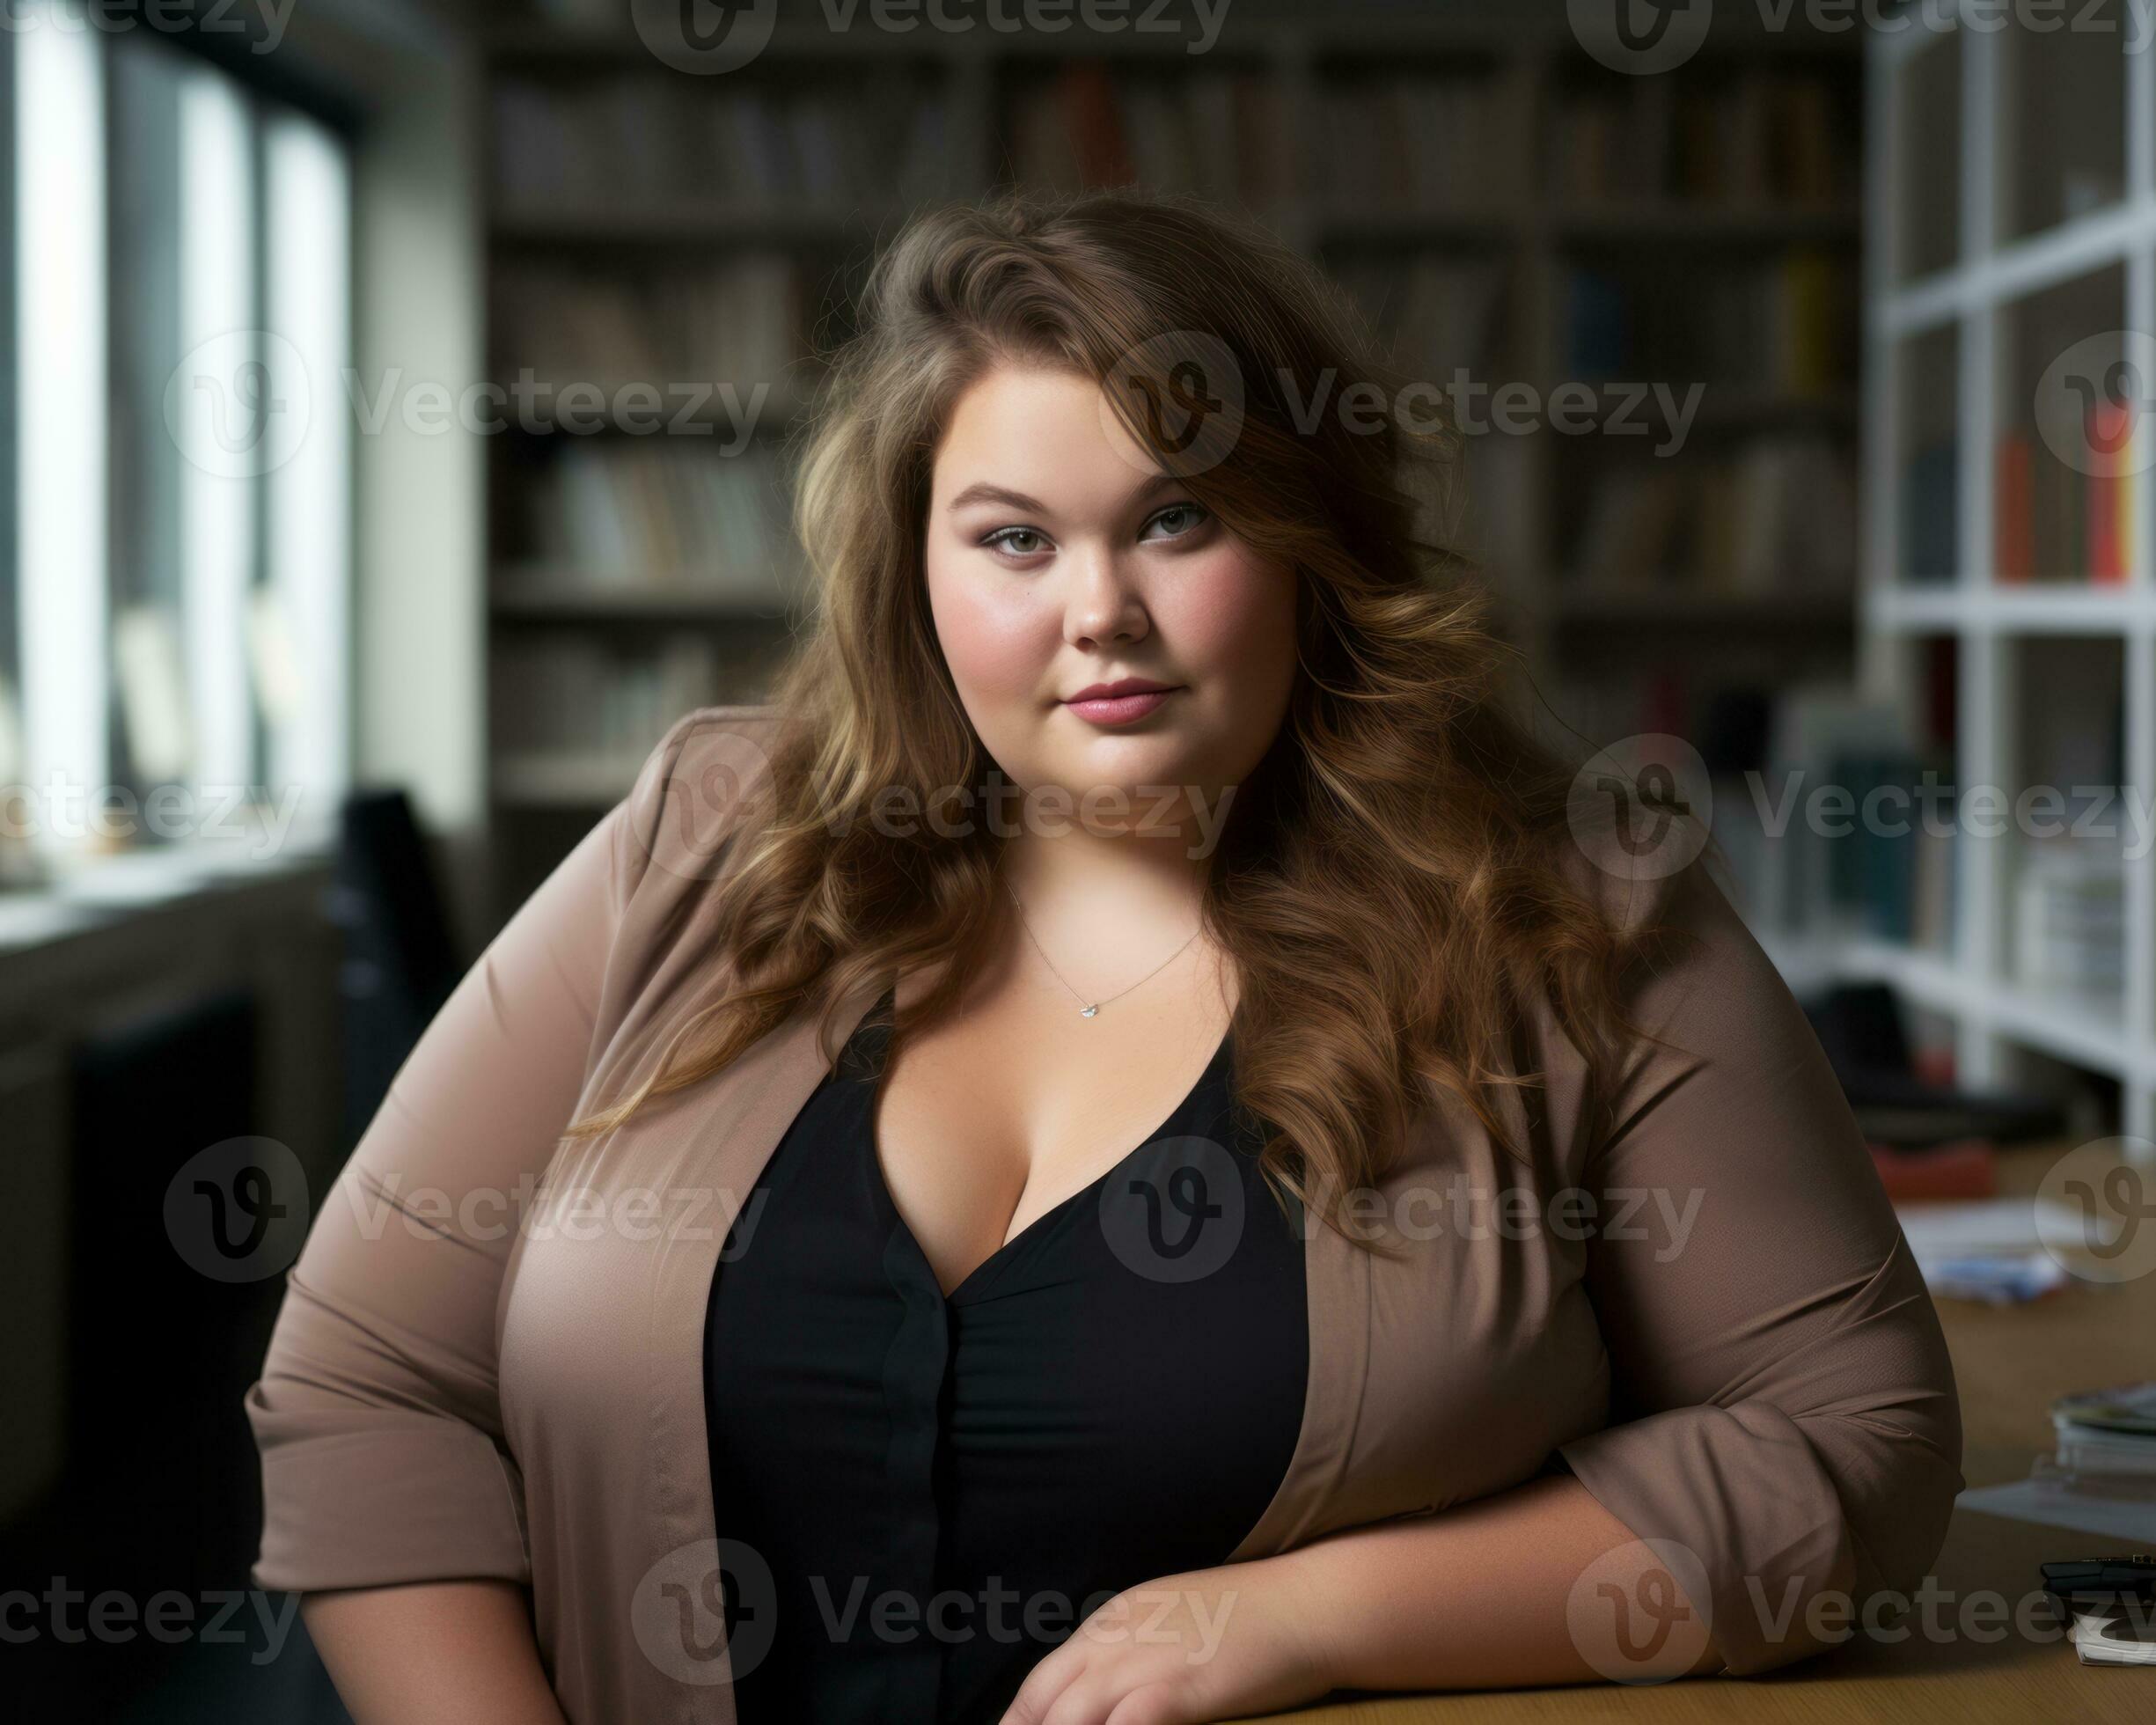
<point x="1087" y="1008"/>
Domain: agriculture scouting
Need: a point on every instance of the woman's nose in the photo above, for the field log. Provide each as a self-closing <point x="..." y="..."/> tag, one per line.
<point x="1103" y="602"/>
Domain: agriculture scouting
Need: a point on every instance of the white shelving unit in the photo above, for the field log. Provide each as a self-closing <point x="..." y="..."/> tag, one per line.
<point x="1942" y="158"/>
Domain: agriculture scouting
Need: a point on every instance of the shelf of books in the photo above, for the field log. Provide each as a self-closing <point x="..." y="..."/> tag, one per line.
<point x="1639" y="297"/>
<point x="2010" y="290"/>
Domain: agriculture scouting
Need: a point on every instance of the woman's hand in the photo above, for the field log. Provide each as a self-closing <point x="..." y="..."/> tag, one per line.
<point x="1207" y="1644"/>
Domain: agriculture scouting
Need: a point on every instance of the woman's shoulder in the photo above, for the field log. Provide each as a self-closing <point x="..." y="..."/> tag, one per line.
<point x="733" y="740"/>
<point x="700" y="726"/>
<point x="703" y="782"/>
<point x="1695" y="966"/>
<point x="1657" y="873"/>
<point x="1698" y="974"/>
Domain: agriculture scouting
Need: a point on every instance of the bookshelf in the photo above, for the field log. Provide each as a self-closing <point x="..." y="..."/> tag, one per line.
<point x="1450" y="165"/>
<point x="2010" y="247"/>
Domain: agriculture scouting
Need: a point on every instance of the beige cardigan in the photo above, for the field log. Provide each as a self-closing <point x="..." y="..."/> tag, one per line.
<point x="466" y="1381"/>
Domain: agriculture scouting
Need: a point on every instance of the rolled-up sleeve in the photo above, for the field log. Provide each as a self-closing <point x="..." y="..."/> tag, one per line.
<point x="377" y="1412"/>
<point x="1783" y="1406"/>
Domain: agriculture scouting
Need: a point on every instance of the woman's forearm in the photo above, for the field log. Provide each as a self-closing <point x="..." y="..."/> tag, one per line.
<point x="434" y="1651"/>
<point x="1497" y="1594"/>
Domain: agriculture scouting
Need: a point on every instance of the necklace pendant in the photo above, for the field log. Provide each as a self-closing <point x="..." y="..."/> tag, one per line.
<point x="1087" y="1011"/>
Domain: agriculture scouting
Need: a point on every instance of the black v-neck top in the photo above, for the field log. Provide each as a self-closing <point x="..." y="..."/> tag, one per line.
<point x="919" y="1495"/>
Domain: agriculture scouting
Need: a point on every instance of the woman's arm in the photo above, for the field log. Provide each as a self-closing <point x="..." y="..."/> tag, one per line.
<point x="387" y="1482"/>
<point x="1782" y="1403"/>
<point x="434" y="1653"/>
<point x="1539" y="1584"/>
<point x="1783" y="1442"/>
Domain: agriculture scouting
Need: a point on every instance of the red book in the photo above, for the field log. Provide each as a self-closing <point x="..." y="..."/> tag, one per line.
<point x="2013" y="521"/>
<point x="1095" y="118"/>
<point x="2110" y="496"/>
<point x="1967" y="1168"/>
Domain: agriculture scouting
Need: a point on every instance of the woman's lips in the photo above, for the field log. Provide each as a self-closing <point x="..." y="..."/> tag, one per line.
<point x="1118" y="708"/>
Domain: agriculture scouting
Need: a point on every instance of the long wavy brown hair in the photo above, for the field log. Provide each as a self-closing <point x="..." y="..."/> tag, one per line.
<point x="1390" y="882"/>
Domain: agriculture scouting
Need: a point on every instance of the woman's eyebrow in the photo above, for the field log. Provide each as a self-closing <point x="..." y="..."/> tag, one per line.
<point x="983" y="492"/>
<point x="997" y="493"/>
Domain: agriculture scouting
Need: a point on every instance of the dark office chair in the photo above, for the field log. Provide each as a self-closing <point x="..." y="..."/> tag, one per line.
<point x="400" y="962"/>
<point x="1859" y="1025"/>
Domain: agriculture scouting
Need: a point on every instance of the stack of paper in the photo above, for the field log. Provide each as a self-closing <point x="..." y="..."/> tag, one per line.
<point x="2123" y="1634"/>
<point x="1989" y="1248"/>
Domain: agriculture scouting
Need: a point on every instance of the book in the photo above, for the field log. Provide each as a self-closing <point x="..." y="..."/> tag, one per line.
<point x="2118" y="1634"/>
<point x="2109" y="496"/>
<point x="2013" y="528"/>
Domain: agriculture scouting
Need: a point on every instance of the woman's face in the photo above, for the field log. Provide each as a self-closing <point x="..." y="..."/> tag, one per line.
<point x="1060" y="557"/>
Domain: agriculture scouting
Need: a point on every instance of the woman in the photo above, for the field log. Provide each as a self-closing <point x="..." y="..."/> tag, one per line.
<point x="1262" y="1185"/>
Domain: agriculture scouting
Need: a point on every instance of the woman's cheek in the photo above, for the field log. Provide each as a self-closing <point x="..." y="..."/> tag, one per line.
<point x="1238" y="617"/>
<point x="995" y="651"/>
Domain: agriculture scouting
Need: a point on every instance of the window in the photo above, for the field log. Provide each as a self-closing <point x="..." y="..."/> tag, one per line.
<point x="173" y="590"/>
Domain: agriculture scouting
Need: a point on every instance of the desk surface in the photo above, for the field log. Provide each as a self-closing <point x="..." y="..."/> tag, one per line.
<point x="2009" y="1363"/>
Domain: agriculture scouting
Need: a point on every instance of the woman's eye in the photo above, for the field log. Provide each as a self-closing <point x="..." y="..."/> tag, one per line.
<point x="1179" y="518"/>
<point x="1004" y="538"/>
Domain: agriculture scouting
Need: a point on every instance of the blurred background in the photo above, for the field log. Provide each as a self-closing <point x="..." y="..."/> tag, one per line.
<point x="390" y="399"/>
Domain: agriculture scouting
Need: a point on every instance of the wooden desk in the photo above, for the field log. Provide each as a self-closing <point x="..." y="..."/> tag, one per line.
<point x="2009" y="1363"/>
